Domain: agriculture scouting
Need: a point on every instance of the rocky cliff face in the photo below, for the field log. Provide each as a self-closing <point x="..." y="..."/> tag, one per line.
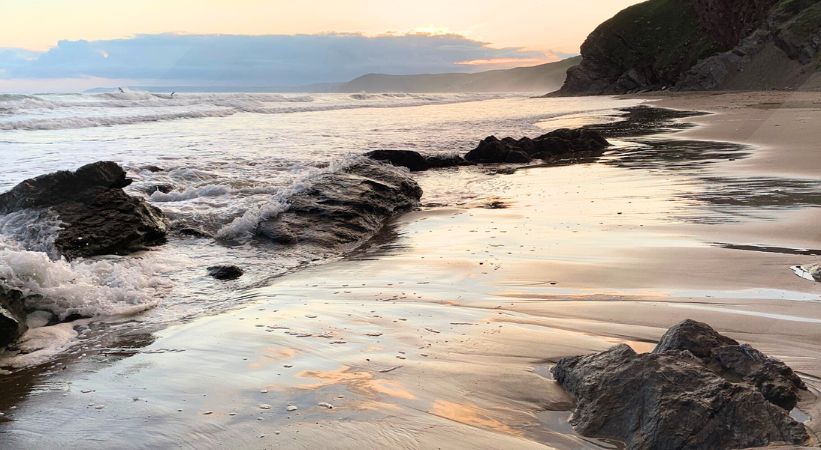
<point x="701" y="45"/>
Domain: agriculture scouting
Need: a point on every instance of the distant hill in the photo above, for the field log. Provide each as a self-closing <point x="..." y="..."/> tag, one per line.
<point x="539" y="78"/>
<point x="702" y="45"/>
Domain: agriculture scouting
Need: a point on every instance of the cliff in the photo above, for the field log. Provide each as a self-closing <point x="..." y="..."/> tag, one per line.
<point x="702" y="45"/>
<point x="521" y="79"/>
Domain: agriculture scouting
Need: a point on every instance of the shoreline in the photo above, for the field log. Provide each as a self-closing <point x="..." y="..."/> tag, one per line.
<point x="425" y="340"/>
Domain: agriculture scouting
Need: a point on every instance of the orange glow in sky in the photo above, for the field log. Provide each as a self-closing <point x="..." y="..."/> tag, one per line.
<point x="543" y="25"/>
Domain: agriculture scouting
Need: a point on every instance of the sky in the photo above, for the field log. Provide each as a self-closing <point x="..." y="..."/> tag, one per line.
<point x="75" y="44"/>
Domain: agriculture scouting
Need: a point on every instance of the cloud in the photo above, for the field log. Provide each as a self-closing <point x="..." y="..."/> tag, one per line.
<point x="242" y="60"/>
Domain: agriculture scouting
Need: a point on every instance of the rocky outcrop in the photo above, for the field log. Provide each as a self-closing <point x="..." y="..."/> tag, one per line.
<point x="561" y="144"/>
<point x="344" y="207"/>
<point x="415" y="161"/>
<point x="97" y="216"/>
<point x="12" y="315"/>
<point x="225" y="273"/>
<point x="697" y="389"/>
<point x="700" y="44"/>
<point x="731" y="360"/>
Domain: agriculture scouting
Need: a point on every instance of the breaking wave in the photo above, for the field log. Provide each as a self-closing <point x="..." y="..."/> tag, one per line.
<point x="69" y="111"/>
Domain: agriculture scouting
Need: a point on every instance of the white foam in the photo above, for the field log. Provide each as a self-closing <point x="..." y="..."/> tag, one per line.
<point x="94" y="287"/>
<point x="30" y="230"/>
<point x="40" y="345"/>
<point x="210" y="190"/>
<point x="68" y="111"/>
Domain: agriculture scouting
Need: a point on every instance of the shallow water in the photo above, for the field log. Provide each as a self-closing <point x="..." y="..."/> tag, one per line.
<point x="438" y="332"/>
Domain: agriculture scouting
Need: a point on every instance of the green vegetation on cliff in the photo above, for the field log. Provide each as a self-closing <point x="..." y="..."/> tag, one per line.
<point x="700" y="44"/>
<point x="663" y="36"/>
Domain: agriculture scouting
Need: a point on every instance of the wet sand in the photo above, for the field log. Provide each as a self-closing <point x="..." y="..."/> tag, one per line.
<point x="441" y="332"/>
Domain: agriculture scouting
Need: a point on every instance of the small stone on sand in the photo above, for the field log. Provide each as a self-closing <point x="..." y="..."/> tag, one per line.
<point x="291" y="408"/>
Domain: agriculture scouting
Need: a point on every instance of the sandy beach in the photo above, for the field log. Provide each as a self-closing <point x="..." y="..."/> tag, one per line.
<point x="440" y="333"/>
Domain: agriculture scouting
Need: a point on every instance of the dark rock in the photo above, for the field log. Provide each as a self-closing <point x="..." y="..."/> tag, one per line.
<point x="162" y="187"/>
<point x="12" y="315"/>
<point x="561" y="144"/>
<point x="225" y="272"/>
<point x="441" y="161"/>
<point x="672" y="399"/>
<point x="696" y="337"/>
<point x="415" y="161"/>
<point x="343" y="208"/>
<point x="491" y="150"/>
<point x="776" y="381"/>
<point x="98" y="216"/>
<point x="152" y="168"/>
<point x="700" y="44"/>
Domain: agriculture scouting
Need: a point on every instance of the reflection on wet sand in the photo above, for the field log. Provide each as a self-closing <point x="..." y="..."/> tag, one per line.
<point x="444" y="327"/>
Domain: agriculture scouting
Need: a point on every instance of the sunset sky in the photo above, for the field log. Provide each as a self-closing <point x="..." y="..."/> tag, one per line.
<point x="488" y="34"/>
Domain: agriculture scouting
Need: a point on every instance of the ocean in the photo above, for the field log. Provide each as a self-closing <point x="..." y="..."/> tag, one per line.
<point x="229" y="159"/>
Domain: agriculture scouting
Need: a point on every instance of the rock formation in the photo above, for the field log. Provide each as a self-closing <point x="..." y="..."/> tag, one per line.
<point x="97" y="216"/>
<point x="697" y="389"/>
<point x="700" y="44"/>
<point x="561" y="144"/>
<point x="415" y="161"/>
<point x="344" y="207"/>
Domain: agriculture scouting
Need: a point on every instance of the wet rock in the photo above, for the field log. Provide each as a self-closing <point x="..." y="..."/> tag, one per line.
<point x="492" y="150"/>
<point x="97" y="216"/>
<point x="561" y="144"/>
<point x="12" y="315"/>
<point x="774" y="379"/>
<point x="698" y="389"/>
<point x="152" y="168"/>
<point x="415" y="161"/>
<point x="225" y="273"/>
<point x="343" y="208"/>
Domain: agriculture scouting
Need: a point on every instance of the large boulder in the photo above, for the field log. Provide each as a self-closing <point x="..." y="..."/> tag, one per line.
<point x="97" y="216"/>
<point x="12" y="315"/>
<point x="344" y="207"/>
<point x="679" y="396"/>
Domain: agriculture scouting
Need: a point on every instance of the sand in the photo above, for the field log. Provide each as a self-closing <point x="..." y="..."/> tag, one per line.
<point x="441" y="333"/>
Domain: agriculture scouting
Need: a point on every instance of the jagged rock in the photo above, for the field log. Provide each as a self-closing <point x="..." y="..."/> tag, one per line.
<point x="97" y="216"/>
<point x="344" y="207"/>
<point x="415" y="161"/>
<point x="560" y="144"/>
<point x="776" y="381"/>
<point x="225" y="273"/>
<point x="492" y="150"/>
<point x="12" y="315"/>
<point x="696" y="390"/>
<point x="700" y="44"/>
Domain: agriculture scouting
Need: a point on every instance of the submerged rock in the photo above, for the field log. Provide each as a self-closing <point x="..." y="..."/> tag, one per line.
<point x="415" y="161"/>
<point x="97" y="216"/>
<point x="561" y="144"/>
<point x="225" y="272"/>
<point x="12" y="315"/>
<point x="697" y="389"/>
<point x="344" y="207"/>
